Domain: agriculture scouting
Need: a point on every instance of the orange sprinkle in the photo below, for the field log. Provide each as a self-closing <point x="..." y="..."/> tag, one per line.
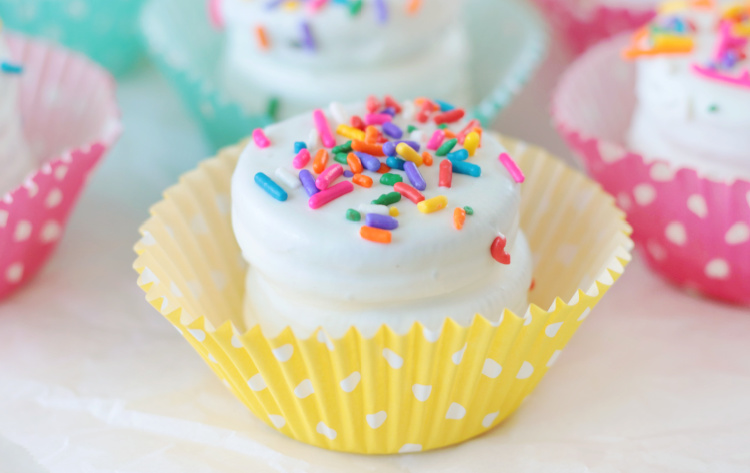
<point x="383" y="168"/>
<point x="372" y="135"/>
<point x="459" y="217"/>
<point x="362" y="180"/>
<point x="426" y="158"/>
<point x="413" y="6"/>
<point x="375" y="235"/>
<point x="449" y="134"/>
<point x="321" y="161"/>
<point x="354" y="163"/>
<point x="262" y="36"/>
<point x="374" y="150"/>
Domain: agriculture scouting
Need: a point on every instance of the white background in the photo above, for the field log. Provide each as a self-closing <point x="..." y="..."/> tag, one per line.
<point x="92" y="379"/>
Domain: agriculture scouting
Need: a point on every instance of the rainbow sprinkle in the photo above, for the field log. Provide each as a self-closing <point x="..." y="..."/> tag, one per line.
<point x="376" y="145"/>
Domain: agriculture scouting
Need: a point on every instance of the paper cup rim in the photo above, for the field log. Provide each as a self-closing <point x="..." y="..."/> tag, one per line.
<point x="110" y="131"/>
<point x="612" y="46"/>
<point x="521" y="70"/>
<point x="617" y="262"/>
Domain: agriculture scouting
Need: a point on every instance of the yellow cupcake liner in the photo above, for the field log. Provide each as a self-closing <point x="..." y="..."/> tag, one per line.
<point x="389" y="393"/>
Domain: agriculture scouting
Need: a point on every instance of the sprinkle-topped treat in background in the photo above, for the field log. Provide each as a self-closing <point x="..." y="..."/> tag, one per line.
<point x="382" y="212"/>
<point x="291" y="56"/>
<point x="693" y="87"/>
<point x="15" y="159"/>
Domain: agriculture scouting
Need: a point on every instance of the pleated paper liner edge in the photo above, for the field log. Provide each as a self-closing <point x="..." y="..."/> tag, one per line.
<point x="386" y="394"/>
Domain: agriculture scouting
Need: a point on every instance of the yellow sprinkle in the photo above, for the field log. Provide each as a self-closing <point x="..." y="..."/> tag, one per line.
<point x="350" y="132"/>
<point x="393" y="211"/>
<point x="433" y="205"/>
<point x="471" y="143"/>
<point x="673" y="43"/>
<point x="408" y="153"/>
<point x="673" y="7"/>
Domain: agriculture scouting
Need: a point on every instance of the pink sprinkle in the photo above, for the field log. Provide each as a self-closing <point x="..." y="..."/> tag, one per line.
<point x="742" y="79"/>
<point x="512" y="167"/>
<point x="315" y="5"/>
<point x="331" y="173"/>
<point x="260" y="138"/>
<point x="377" y="118"/>
<point x="324" y="129"/>
<point x="332" y="193"/>
<point x="302" y="158"/>
<point x="436" y="140"/>
<point x="214" y="13"/>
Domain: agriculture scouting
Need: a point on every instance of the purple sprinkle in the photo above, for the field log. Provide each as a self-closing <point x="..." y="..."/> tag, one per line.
<point x="348" y="174"/>
<point x="389" y="111"/>
<point x="415" y="177"/>
<point x="383" y="222"/>
<point x="392" y="130"/>
<point x="307" y="38"/>
<point x="369" y="162"/>
<point x="381" y="10"/>
<point x="308" y="182"/>
<point x="389" y="148"/>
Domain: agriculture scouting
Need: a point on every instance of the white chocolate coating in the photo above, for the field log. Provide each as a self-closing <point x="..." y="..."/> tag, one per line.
<point x="354" y="55"/>
<point x="688" y="119"/>
<point x="310" y="268"/>
<point x="15" y="159"/>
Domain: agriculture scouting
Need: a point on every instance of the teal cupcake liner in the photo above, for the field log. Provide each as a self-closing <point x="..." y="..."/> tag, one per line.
<point x="105" y="30"/>
<point x="509" y="38"/>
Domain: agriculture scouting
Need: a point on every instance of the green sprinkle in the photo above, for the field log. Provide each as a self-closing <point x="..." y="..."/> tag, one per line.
<point x="345" y="148"/>
<point x="390" y="179"/>
<point x="443" y="126"/>
<point x="340" y="157"/>
<point x="446" y="147"/>
<point x="353" y="215"/>
<point x="273" y="108"/>
<point x="355" y="7"/>
<point x="713" y="108"/>
<point x="411" y="128"/>
<point x="469" y="210"/>
<point x="388" y="199"/>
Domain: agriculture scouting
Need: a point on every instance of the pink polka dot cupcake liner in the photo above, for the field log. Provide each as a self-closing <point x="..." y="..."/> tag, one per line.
<point x="70" y="119"/>
<point x="582" y="24"/>
<point x="693" y="230"/>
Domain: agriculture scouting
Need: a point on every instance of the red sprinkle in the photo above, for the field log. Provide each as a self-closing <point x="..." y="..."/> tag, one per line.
<point x="450" y="116"/>
<point x="372" y="104"/>
<point x="408" y="191"/>
<point x="358" y="123"/>
<point x="391" y="102"/>
<point x="468" y="129"/>
<point x="446" y="173"/>
<point x="497" y="249"/>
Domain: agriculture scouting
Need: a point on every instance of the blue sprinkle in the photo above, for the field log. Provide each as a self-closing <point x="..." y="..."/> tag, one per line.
<point x="444" y="106"/>
<point x="10" y="68"/>
<point x="469" y="169"/>
<point x="460" y="155"/>
<point x="271" y="188"/>
<point x="395" y="163"/>
<point x="299" y="146"/>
